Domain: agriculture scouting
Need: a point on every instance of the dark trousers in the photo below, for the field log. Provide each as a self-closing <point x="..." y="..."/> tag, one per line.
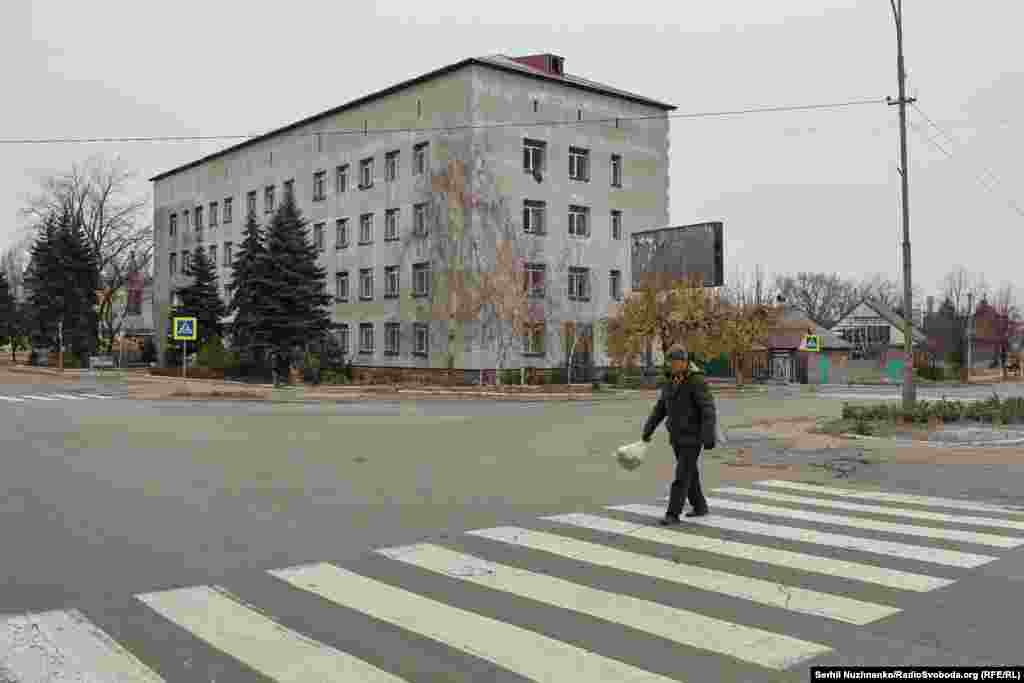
<point x="687" y="482"/>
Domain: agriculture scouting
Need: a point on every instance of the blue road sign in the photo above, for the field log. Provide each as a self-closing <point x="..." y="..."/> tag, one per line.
<point x="185" y="329"/>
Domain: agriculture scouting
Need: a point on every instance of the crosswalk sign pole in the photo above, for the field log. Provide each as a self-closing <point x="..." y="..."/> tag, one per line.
<point x="184" y="357"/>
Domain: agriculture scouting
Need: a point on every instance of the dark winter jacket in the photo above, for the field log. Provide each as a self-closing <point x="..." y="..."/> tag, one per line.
<point x="689" y="411"/>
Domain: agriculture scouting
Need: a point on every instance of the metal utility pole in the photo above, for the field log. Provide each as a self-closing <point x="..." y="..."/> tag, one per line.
<point x="970" y="334"/>
<point x="909" y="394"/>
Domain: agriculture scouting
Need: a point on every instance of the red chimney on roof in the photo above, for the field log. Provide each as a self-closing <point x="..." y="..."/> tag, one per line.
<point x="548" y="63"/>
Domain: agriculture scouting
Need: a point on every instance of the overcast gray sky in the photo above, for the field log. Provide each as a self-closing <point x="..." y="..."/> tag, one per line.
<point x="797" y="191"/>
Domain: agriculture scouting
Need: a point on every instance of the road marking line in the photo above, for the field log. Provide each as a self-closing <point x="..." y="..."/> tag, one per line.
<point x="97" y="396"/>
<point x="771" y="650"/>
<point x="529" y="654"/>
<point x="64" y="645"/>
<point x="223" y="621"/>
<point x="771" y="593"/>
<point x="891" y="578"/>
<point x="952" y="558"/>
<point x="873" y="525"/>
<point x="12" y="399"/>
<point x="70" y="396"/>
<point x="891" y="497"/>
<point x="39" y="398"/>
<point x="878" y="509"/>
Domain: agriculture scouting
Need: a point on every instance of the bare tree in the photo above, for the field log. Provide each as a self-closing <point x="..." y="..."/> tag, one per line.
<point x="576" y="303"/>
<point x="1007" y="315"/>
<point x="14" y="261"/>
<point x="749" y="288"/>
<point x="98" y="194"/>
<point x="959" y="285"/>
<point x="823" y="297"/>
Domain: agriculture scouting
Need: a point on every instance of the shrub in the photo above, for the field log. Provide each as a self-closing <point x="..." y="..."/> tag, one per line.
<point x="510" y="376"/>
<point x="214" y="356"/>
<point x="611" y="376"/>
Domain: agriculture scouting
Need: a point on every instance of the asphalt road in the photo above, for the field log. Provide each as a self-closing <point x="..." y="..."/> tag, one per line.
<point x="220" y="541"/>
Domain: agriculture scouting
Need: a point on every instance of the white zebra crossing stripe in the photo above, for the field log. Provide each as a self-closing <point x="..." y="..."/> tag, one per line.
<point x="12" y="399"/>
<point x="70" y="397"/>
<point x="96" y="396"/>
<point x="529" y="654"/>
<point x="890" y="497"/>
<point x="869" y="524"/>
<point x="891" y="578"/>
<point x="952" y="558"/>
<point x="771" y="593"/>
<point x="39" y="398"/>
<point x="224" y="622"/>
<point x="771" y="650"/>
<point x="61" y="645"/>
<point x="875" y="509"/>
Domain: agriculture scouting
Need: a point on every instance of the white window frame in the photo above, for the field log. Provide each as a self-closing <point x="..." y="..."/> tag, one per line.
<point x="616" y="224"/>
<point x="288" y="190"/>
<point x="228" y="255"/>
<point x="341" y="286"/>
<point x="186" y="262"/>
<point x="366" y="173"/>
<point x="391" y="218"/>
<point x="419" y="158"/>
<point x="578" y="215"/>
<point x="534" y="217"/>
<point x="344" y="339"/>
<point x="318" y="236"/>
<point x="212" y="251"/>
<point x="172" y="263"/>
<point x="366" y="228"/>
<point x="250" y="202"/>
<point x="366" y="341"/>
<point x="319" y="186"/>
<point x="172" y="225"/>
<point x="421" y="338"/>
<point x="199" y="218"/>
<point x="534" y="155"/>
<point x="615" y="285"/>
<point x="579" y="164"/>
<point x="341" y="178"/>
<point x="269" y="199"/>
<point x="391" y="160"/>
<point x="392" y="338"/>
<point x="419" y="219"/>
<point x="342" y="233"/>
<point x="213" y="214"/>
<point x="616" y="170"/>
<point x="366" y="284"/>
<point x="229" y="203"/>
<point x="392" y="281"/>
<point x="579" y="283"/>
<point x="421" y="274"/>
<point x="531" y="273"/>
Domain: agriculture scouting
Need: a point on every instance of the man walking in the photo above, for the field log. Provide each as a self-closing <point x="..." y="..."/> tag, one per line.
<point x="687" y="404"/>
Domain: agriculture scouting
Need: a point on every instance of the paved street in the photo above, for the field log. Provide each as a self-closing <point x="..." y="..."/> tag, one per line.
<point x="388" y="541"/>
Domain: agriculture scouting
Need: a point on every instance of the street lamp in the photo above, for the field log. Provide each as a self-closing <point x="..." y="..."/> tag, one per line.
<point x="908" y="303"/>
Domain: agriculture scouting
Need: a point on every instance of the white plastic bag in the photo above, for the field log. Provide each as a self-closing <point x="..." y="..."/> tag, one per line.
<point x="720" y="439"/>
<point x="631" y="455"/>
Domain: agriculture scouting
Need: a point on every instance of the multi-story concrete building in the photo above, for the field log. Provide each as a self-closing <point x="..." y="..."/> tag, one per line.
<point x="401" y="184"/>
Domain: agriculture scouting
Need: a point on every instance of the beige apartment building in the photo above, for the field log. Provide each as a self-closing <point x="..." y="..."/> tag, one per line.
<point x="485" y="147"/>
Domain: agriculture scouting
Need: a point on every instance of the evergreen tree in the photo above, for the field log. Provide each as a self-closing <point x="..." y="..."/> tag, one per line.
<point x="8" y="312"/>
<point x="201" y="299"/>
<point x="247" y="285"/>
<point x="43" y="284"/>
<point x="293" y="308"/>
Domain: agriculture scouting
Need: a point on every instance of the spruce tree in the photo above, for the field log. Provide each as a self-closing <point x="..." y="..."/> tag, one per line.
<point x="247" y="286"/>
<point x="44" y="286"/>
<point x="201" y="299"/>
<point x="8" y="311"/>
<point x="81" y="281"/>
<point x="293" y="310"/>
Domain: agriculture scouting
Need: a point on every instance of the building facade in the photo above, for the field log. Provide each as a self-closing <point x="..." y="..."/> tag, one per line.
<point x="410" y="183"/>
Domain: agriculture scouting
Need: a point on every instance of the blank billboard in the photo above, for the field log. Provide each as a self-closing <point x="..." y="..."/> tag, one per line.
<point x="680" y="251"/>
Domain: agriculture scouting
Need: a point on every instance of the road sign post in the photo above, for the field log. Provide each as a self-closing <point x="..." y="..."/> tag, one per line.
<point x="185" y="330"/>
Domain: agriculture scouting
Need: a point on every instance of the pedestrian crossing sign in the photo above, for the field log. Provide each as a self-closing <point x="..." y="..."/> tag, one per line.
<point x="811" y="342"/>
<point x="185" y="329"/>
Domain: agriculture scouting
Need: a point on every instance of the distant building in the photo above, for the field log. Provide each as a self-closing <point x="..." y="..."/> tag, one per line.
<point x="371" y="198"/>
<point x="781" y="357"/>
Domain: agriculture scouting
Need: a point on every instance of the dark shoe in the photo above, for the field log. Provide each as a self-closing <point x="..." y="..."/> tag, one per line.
<point x="696" y="513"/>
<point x="669" y="520"/>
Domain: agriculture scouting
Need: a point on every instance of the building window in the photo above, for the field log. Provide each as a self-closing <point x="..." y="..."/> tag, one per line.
<point x="185" y="217"/>
<point x="213" y="214"/>
<point x="228" y="202"/>
<point x="186" y="263"/>
<point x="391" y="166"/>
<point x="199" y="218"/>
<point x="579" y="284"/>
<point x="420" y="336"/>
<point x="533" y="217"/>
<point x="366" y="228"/>
<point x="533" y="341"/>
<point x="392" y="334"/>
<point x="343" y="340"/>
<point x="419" y="158"/>
<point x="391" y="225"/>
<point x="366" y="173"/>
<point x="365" y="337"/>
<point x="173" y="263"/>
<point x="366" y="284"/>
<point x="250" y="201"/>
<point x="579" y="163"/>
<point x="421" y="279"/>
<point x="213" y="255"/>
<point x="391" y="282"/>
<point x="341" y="179"/>
<point x="578" y="221"/>
<point x="318" y="236"/>
<point x="533" y="156"/>
<point x="228" y="258"/>
<point x="615" y="285"/>
<point x="319" y="186"/>
<point x="616" y="170"/>
<point x="341" y="236"/>
<point x="268" y="199"/>
<point x="172" y="226"/>
<point x="419" y="219"/>
<point x="616" y="225"/>
<point x="536" y="277"/>
<point x="289" y="191"/>
<point x="341" y="286"/>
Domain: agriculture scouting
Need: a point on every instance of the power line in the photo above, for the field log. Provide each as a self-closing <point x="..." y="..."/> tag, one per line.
<point x="520" y="124"/>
